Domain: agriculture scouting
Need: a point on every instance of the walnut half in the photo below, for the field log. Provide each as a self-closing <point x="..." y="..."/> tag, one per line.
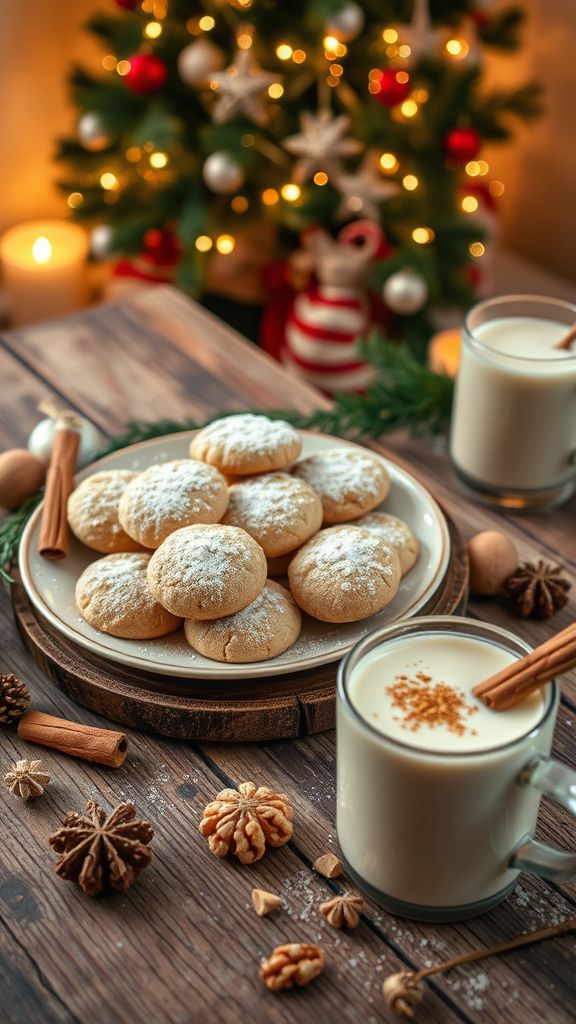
<point x="294" y="964"/>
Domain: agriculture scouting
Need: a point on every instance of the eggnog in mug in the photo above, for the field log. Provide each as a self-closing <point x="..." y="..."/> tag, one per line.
<point x="434" y="794"/>
<point x="514" y="421"/>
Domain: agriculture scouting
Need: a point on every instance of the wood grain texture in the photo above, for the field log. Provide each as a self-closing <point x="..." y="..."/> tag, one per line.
<point x="285" y="707"/>
<point x="183" y="945"/>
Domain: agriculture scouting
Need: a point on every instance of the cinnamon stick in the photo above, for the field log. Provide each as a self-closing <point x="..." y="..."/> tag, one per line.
<point x="53" y="541"/>
<point x="104" y="746"/>
<point x="517" y="681"/>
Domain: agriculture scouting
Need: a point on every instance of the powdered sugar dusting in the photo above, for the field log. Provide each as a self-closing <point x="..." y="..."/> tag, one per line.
<point x="96" y="499"/>
<point x="213" y="557"/>
<point x="118" y="585"/>
<point x="358" y="559"/>
<point x="260" y="620"/>
<point x="272" y="502"/>
<point x="343" y="475"/>
<point x="170" y="495"/>
<point x="248" y="434"/>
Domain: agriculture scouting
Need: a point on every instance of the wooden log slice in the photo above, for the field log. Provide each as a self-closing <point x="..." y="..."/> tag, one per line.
<point x="207" y="710"/>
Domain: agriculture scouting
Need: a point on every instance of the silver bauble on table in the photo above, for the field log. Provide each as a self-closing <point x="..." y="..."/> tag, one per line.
<point x="405" y="292"/>
<point x="347" y="23"/>
<point x="92" y="132"/>
<point x="222" y="173"/>
<point x="198" y="60"/>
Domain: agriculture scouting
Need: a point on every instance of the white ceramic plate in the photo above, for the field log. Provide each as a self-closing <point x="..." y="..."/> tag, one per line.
<point x="50" y="585"/>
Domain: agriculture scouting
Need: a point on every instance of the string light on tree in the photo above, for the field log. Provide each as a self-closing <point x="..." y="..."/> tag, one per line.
<point x="92" y="132"/>
<point x="405" y="292"/>
<point x="222" y="173"/>
<point x="101" y="241"/>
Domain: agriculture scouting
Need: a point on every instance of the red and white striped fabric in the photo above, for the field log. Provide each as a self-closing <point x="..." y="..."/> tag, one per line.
<point x="321" y="334"/>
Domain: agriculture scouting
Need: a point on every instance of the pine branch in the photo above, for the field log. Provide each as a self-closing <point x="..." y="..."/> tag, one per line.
<point x="11" y="530"/>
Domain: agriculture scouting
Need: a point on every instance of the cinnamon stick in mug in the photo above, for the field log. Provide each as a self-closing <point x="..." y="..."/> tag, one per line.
<point x="104" y="746"/>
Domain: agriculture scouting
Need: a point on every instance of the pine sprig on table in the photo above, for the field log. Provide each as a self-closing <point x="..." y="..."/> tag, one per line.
<point x="406" y="394"/>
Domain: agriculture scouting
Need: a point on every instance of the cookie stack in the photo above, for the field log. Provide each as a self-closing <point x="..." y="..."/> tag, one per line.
<point x="198" y="539"/>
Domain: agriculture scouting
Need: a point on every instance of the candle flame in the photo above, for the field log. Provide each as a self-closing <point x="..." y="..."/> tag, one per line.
<point x="42" y="250"/>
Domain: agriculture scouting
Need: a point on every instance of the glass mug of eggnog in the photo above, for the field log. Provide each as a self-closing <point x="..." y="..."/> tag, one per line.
<point x="438" y="796"/>
<point x="513" y="436"/>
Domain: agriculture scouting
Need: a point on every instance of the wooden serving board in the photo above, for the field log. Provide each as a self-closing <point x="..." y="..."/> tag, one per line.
<point x="206" y="710"/>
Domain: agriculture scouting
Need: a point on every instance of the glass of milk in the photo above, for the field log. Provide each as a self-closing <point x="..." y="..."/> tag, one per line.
<point x="436" y="822"/>
<point x="513" y="437"/>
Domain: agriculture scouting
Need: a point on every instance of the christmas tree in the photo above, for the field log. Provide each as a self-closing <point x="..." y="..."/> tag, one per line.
<point x="214" y="116"/>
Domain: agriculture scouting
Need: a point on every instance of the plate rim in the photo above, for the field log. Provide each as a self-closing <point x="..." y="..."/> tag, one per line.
<point x="222" y="671"/>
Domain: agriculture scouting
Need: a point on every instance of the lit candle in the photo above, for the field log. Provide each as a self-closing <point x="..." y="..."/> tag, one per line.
<point x="444" y="352"/>
<point x="43" y="269"/>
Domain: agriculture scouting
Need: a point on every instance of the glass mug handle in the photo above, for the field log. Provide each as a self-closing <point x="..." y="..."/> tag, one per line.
<point x="559" y="782"/>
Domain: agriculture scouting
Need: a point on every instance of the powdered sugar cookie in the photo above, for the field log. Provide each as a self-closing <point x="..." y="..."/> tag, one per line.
<point x="396" y="533"/>
<point x="267" y="627"/>
<point x="205" y="572"/>
<point x="350" y="482"/>
<point x="278" y="510"/>
<point x="93" y="511"/>
<point x="113" y="595"/>
<point x="246" y="444"/>
<point x="344" y="574"/>
<point x="169" y="496"/>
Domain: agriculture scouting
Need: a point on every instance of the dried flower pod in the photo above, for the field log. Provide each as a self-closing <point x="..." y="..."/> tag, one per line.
<point x="402" y="993"/>
<point x="294" y="964"/>
<point x="343" y="911"/>
<point x="14" y="698"/>
<point x="27" y="779"/>
<point x="100" y="851"/>
<point x="245" y="821"/>
<point x="264" y="902"/>
<point x="329" y="865"/>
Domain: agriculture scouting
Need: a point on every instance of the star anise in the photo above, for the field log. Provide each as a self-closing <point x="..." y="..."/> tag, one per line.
<point x="244" y="821"/>
<point x="100" y="852"/>
<point x="538" y="589"/>
<point x="27" y="779"/>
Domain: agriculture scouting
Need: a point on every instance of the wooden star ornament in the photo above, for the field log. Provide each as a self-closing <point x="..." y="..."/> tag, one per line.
<point x="240" y="90"/>
<point x="363" y="191"/>
<point x="320" y="144"/>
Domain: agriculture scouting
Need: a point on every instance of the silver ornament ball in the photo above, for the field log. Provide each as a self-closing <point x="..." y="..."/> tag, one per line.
<point x="92" y="132"/>
<point x="405" y="292"/>
<point x="197" y="61"/>
<point x="222" y="173"/>
<point x="101" y="241"/>
<point x="347" y="23"/>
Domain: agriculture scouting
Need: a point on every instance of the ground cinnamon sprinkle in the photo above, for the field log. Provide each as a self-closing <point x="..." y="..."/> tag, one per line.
<point x="423" y="702"/>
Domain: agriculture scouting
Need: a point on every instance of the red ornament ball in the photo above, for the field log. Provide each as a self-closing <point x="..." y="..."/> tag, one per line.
<point x="161" y="247"/>
<point x="394" y="87"/>
<point x="147" y="74"/>
<point x="462" y="144"/>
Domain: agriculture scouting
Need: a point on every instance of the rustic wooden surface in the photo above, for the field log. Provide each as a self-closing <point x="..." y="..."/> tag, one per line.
<point x="285" y="707"/>
<point x="183" y="945"/>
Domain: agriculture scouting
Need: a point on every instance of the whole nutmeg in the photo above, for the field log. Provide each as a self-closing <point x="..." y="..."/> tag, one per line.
<point x="21" y="474"/>
<point x="493" y="558"/>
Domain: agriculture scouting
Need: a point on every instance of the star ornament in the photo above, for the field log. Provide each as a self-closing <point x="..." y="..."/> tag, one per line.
<point x="320" y="144"/>
<point x="422" y="39"/>
<point x="363" y="192"/>
<point x="240" y="90"/>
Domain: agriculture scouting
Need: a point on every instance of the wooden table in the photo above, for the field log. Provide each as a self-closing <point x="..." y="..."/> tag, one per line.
<point x="183" y="945"/>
